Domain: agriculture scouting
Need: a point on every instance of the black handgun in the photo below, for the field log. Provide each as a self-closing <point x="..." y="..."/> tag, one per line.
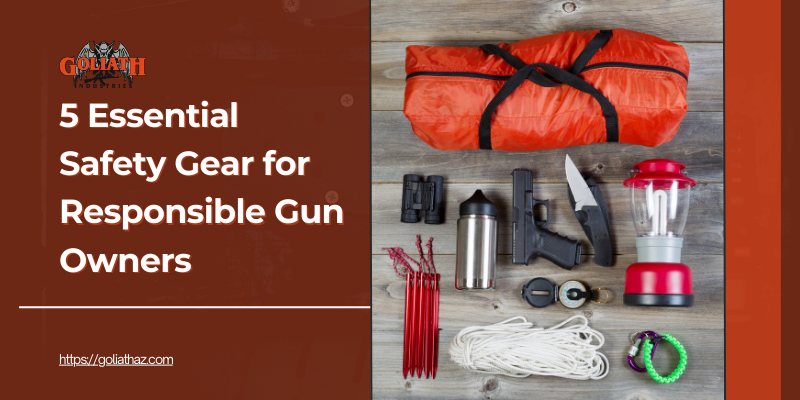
<point x="531" y="237"/>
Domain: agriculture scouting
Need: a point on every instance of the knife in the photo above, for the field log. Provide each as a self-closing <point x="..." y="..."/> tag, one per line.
<point x="590" y="209"/>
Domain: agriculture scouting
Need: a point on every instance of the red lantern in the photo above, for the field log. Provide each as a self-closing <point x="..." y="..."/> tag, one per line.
<point x="659" y="192"/>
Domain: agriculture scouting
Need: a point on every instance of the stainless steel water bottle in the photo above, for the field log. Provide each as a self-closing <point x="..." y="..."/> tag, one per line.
<point x="476" y="244"/>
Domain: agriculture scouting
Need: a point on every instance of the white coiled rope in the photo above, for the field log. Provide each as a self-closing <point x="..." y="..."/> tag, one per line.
<point x="520" y="350"/>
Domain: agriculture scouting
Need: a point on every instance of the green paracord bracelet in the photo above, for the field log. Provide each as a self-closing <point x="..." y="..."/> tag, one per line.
<point x="648" y="361"/>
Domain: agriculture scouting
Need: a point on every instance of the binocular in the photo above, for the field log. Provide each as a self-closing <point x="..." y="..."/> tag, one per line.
<point x="419" y="195"/>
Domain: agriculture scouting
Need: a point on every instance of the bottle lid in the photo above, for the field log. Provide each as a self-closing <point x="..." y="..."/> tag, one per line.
<point x="660" y="171"/>
<point x="478" y="204"/>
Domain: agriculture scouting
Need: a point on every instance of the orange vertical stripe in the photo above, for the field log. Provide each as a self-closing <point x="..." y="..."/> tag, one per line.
<point x="753" y="198"/>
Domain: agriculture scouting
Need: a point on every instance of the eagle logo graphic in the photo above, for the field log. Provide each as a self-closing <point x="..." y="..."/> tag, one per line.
<point x="107" y="63"/>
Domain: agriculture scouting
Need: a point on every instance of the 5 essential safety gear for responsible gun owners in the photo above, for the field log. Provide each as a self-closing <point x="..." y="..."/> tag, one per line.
<point x="549" y="92"/>
<point x="423" y="196"/>
<point x="590" y="209"/>
<point x="476" y="244"/>
<point x="531" y="237"/>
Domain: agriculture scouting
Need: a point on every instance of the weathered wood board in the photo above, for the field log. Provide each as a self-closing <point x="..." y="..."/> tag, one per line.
<point x="397" y="151"/>
<point x="703" y="232"/>
<point x="703" y="379"/>
<point x="459" y="309"/>
<point x="697" y="327"/>
<point x="422" y="20"/>
<point x="704" y="92"/>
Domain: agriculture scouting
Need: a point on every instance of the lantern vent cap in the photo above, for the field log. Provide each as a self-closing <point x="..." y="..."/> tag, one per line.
<point x="660" y="171"/>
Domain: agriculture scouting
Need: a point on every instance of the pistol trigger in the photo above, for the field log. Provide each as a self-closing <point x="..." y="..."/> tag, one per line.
<point x="546" y="204"/>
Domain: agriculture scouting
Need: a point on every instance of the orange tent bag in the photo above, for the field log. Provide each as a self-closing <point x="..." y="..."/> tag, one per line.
<point x="550" y="92"/>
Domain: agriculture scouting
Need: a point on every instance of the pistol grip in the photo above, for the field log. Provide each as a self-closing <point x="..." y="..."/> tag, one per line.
<point x="561" y="250"/>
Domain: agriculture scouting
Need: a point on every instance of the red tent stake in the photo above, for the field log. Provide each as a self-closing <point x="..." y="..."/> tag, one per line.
<point x="421" y="320"/>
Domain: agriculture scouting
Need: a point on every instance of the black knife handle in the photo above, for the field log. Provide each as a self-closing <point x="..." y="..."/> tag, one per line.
<point x="600" y="237"/>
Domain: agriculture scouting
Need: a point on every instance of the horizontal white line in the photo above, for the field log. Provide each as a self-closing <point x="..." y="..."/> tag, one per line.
<point x="196" y="307"/>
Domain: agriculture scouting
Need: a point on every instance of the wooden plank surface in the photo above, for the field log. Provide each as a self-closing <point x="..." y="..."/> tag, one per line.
<point x="497" y="20"/>
<point x="459" y="309"/>
<point x="397" y="151"/>
<point x="698" y="328"/>
<point x="704" y="92"/>
<point x="703" y="233"/>
<point x="703" y="378"/>
<point x="697" y="25"/>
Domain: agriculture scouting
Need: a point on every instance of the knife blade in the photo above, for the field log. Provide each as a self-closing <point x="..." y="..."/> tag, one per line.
<point x="592" y="216"/>
<point x="580" y="190"/>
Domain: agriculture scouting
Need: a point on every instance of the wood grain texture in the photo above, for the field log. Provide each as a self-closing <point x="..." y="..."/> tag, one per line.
<point x="703" y="378"/>
<point x="459" y="309"/>
<point x="697" y="25"/>
<point x="421" y="20"/>
<point x="699" y="329"/>
<point x="397" y="151"/>
<point x="703" y="233"/>
<point x="704" y="92"/>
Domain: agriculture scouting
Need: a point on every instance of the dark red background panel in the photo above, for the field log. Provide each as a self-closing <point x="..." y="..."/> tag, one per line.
<point x="300" y="76"/>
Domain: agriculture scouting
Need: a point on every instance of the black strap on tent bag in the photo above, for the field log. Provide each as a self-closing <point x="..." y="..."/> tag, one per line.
<point x="553" y="76"/>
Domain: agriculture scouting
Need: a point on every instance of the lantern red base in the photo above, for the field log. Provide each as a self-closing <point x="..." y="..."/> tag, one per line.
<point x="658" y="284"/>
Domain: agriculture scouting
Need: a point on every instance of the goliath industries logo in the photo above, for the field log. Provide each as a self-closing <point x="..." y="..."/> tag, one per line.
<point x="99" y="66"/>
